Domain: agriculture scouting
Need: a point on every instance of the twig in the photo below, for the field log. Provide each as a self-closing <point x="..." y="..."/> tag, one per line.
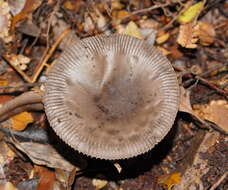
<point x="148" y="9"/>
<point x="214" y="186"/>
<point x="212" y="86"/>
<point x="43" y="62"/>
<point x="26" y="98"/>
<point x="25" y="85"/>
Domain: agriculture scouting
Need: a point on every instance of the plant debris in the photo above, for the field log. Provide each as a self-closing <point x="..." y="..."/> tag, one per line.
<point x="192" y="34"/>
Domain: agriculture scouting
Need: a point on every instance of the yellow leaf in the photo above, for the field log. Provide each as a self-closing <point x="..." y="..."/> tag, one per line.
<point x="162" y="38"/>
<point x="99" y="183"/>
<point x="21" y="120"/>
<point x="170" y="179"/>
<point x="133" y="30"/>
<point x="69" y="5"/>
<point x="3" y="82"/>
<point x="191" y="12"/>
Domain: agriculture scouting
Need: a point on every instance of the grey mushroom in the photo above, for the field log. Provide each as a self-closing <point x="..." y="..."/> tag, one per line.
<point x="111" y="97"/>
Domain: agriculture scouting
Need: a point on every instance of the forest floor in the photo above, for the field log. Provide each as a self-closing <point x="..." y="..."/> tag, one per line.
<point x="194" y="37"/>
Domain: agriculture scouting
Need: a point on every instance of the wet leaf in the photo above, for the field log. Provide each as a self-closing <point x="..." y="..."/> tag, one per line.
<point x="21" y="120"/>
<point x="169" y="180"/>
<point x="133" y="30"/>
<point x="191" y="12"/>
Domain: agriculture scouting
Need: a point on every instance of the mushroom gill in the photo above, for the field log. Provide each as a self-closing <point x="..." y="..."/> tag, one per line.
<point x="111" y="97"/>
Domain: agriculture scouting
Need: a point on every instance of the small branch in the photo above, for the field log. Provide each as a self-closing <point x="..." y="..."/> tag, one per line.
<point x="213" y="187"/>
<point x="212" y="86"/>
<point x="26" y="98"/>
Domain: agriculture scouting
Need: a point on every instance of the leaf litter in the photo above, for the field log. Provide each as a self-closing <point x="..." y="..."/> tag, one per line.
<point x="193" y="34"/>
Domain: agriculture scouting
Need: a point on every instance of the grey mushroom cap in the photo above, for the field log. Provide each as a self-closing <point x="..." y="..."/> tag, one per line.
<point x="111" y="97"/>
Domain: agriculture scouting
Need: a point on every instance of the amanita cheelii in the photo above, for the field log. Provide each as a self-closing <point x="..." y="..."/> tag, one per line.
<point x="111" y="97"/>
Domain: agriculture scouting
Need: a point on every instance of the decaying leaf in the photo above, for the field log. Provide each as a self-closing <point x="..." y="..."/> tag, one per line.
<point x="99" y="183"/>
<point x="190" y="13"/>
<point x="19" y="61"/>
<point x="186" y="37"/>
<point x="43" y="154"/>
<point x="21" y="120"/>
<point x="133" y="30"/>
<point x="28" y="8"/>
<point x="5" y="21"/>
<point x="46" y="178"/>
<point x="205" y="33"/>
<point x="169" y="180"/>
<point x="216" y="111"/>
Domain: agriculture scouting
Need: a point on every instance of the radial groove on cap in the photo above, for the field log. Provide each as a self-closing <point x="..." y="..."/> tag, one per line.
<point x="111" y="97"/>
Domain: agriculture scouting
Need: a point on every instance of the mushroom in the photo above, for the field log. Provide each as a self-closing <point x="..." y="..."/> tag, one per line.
<point x="111" y="97"/>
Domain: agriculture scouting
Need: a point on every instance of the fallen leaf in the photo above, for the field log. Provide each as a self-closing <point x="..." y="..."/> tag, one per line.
<point x="205" y="33"/>
<point x="3" y="82"/>
<point x="69" y="5"/>
<point x="47" y="178"/>
<point x="19" y="61"/>
<point x="186" y="37"/>
<point x="216" y="111"/>
<point x="116" y="5"/>
<point x="163" y="50"/>
<point x="190" y="13"/>
<point x="162" y="37"/>
<point x="169" y="180"/>
<point x="99" y="183"/>
<point x="5" y="21"/>
<point x="28" y="8"/>
<point x="21" y="120"/>
<point x="133" y="30"/>
<point x="118" y="16"/>
<point x="9" y="186"/>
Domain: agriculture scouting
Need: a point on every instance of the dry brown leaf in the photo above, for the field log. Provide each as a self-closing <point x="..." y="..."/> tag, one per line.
<point x="186" y="37"/>
<point x="169" y="180"/>
<point x="205" y="33"/>
<point x="29" y="7"/>
<point x="133" y="30"/>
<point x="21" y="120"/>
<point x="99" y="183"/>
<point x="216" y="111"/>
<point x="47" y="178"/>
